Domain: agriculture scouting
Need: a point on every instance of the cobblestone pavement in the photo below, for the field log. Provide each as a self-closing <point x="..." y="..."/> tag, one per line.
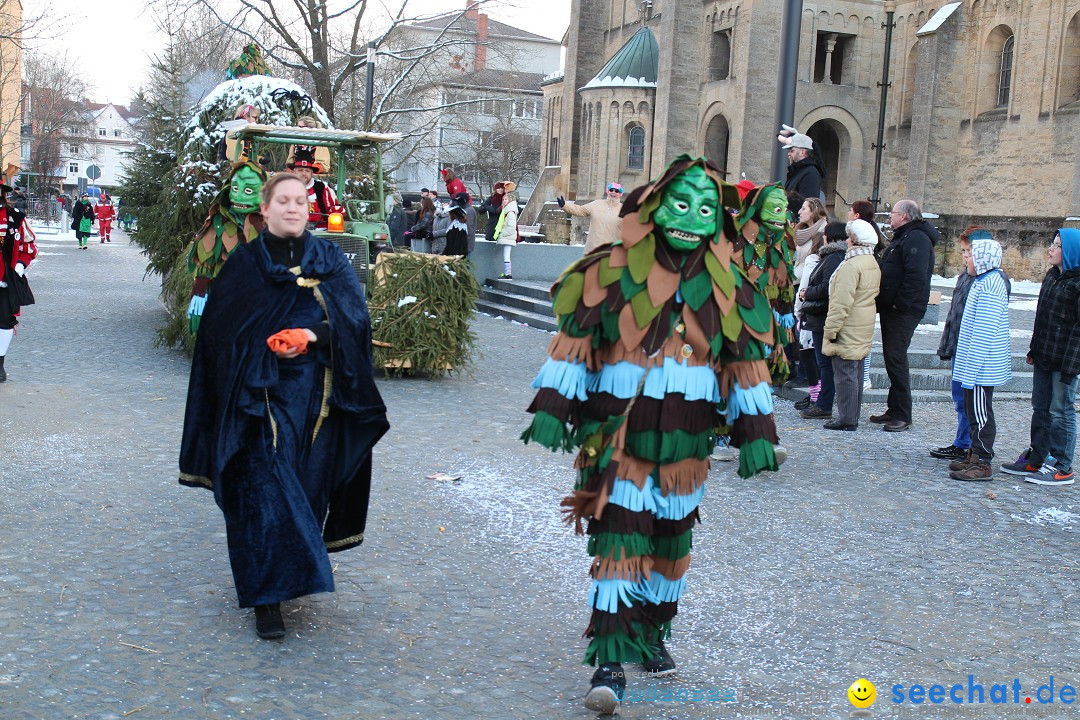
<point x="860" y="559"/>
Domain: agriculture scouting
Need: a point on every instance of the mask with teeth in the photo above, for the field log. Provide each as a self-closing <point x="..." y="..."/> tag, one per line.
<point x="245" y="186"/>
<point x="688" y="211"/>
<point x="774" y="208"/>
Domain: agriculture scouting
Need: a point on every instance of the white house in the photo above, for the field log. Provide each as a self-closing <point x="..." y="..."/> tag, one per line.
<point x="110" y="145"/>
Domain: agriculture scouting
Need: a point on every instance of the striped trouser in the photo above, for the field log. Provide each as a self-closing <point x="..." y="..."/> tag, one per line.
<point x="979" y="406"/>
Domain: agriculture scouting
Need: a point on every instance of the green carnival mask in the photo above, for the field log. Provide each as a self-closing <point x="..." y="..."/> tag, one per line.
<point x="244" y="190"/>
<point x="687" y="214"/>
<point x="774" y="207"/>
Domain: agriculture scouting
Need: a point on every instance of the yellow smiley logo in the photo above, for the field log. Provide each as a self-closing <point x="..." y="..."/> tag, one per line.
<point x="862" y="693"/>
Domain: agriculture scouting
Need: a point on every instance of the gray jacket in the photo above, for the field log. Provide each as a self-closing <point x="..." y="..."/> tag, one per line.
<point x="947" y="346"/>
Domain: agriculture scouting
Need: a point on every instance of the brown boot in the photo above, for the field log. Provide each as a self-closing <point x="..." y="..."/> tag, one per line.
<point x="964" y="463"/>
<point x="979" y="470"/>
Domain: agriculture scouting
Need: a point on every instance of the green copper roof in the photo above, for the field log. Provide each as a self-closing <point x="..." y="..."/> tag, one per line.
<point x="635" y="65"/>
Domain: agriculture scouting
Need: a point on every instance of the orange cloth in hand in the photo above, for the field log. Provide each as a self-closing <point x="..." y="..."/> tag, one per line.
<point x="286" y="339"/>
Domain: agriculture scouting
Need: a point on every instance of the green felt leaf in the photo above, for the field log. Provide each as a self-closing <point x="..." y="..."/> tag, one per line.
<point x="644" y="312"/>
<point x="641" y="258"/>
<point x="608" y="274"/>
<point x="760" y="316"/>
<point x="610" y="323"/>
<point x="649" y="207"/>
<point x="723" y="277"/>
<point x="732" y="325"/>
<point x="628" y="287"/>
<point x="569" y="293"/>
<point x="696" y="290"/>
<point x="748" y="255"/>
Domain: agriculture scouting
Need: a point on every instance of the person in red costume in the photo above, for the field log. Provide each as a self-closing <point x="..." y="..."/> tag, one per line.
<point x="105" y="213"/>
<point x="17" y="249"/>
<point x="453" y="184"/>
<point x="321" y="199"/>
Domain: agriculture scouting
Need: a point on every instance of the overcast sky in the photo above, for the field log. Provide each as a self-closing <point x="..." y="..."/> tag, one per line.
<point x="112" y="39"/>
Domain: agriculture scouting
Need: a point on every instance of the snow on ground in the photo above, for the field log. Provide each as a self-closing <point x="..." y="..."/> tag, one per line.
<point x="1055" y="516"/>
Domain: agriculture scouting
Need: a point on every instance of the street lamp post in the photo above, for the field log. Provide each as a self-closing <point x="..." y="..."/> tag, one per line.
<point x="890" y="10"/>
<point x="789" y="70"/>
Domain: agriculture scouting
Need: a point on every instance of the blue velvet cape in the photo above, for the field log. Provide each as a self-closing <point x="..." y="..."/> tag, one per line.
<point x="285" y="444"/>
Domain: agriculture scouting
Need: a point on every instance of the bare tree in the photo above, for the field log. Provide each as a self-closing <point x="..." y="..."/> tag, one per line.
<point x="54" y="109"/>
<point x="322" y="44"/>
<point x="488" y="150"/>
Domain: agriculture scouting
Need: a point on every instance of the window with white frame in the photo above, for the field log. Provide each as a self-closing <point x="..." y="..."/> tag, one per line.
<point x="73" y="168"/>
<point x="116" y="133"/>
<point x="102" y="132"/>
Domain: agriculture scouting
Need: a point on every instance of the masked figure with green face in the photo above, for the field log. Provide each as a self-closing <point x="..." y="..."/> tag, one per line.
<point x="234" y="218"/>
<point x="765" y="228"/>
<point x="658" y="333"/>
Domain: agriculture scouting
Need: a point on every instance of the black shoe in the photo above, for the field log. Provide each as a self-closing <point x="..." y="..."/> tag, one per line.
<point x="3" y="375"/>
<point x="661" y="664"/>
<point x="881" y="419"/>
<point x="949" y="452"/>
<point x="837" y="425"/>
<point x="803" y="404"/>
<point x="815" y="413"/>
<point x="897" y="426"/>
<point x="268" y="622"/>
<point x="608" y="686"/>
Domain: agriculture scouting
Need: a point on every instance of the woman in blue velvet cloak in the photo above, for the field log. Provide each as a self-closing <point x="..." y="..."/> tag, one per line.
<point x="284" y="438"/>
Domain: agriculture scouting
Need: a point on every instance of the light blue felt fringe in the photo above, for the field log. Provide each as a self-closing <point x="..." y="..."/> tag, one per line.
<point x="621" y="380"/>
<point x="665" y="590"/>
<point x="757" y="400"/>
<point x="607" y="594"/>
<point x="671" y="507"/>
<point x="566" y="378"/>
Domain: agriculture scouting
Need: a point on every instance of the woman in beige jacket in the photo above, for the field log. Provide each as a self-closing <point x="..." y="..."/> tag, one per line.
<point x="605" y="224"/>
<point x="849" y="326"/>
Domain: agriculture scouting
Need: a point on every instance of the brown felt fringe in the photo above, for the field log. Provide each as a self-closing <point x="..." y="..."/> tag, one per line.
<point x="671" y="569"/>
<point x="618" y="519"/>
<point x="634" y="469"/>
<point x="692" y="416"/>
<point x="749" y="373"/>
<point x="553" y="403"/>
<point x="683" y="477"/>
<point x="674" y="528"/>
<point x="603" y="405"/>
<point x="662" y="612"/>
<point x="572" y="349"/>
<point x="633" y="569"/>
<point x="583" y="505"/>
<point x="617" y="352"/>
<point x="753" y="427"/>
<point x="605" y="623"/>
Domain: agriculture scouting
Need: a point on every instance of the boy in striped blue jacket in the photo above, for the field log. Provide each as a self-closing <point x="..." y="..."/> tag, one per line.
<point x="983" y="354"/>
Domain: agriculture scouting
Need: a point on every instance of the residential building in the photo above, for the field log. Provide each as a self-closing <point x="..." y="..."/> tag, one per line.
<point x="11" y="20"/>
<point x="476" y="104"/>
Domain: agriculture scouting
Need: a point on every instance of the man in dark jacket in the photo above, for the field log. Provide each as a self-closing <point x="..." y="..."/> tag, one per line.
<point x="906" y="267"/>
<point x="806" y="173"/>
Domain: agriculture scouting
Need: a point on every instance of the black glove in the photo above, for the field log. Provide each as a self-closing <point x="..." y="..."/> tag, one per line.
<point x="561" y="200"/>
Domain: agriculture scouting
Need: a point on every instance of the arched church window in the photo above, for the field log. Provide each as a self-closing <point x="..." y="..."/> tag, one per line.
<point x="635" y="153"/>
<point x="1005" y="73"/>
<point x="720" y="55"/>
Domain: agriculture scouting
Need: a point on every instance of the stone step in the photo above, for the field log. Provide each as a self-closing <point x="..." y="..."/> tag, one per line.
<point x="927" y="360"/>
<point x="938" y="379"/>
<point x="880" y="395"/>
<point x="535" y="320"/>
<point x="529" y="288"/>
<point x="513" y="299"/>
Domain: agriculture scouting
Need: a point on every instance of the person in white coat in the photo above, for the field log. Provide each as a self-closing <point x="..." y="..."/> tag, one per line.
<point x="506" y="233"/>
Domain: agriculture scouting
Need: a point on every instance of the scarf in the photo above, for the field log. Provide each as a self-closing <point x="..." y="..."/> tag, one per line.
<point x="803" y="238"/>
<point x="851" y="252"/>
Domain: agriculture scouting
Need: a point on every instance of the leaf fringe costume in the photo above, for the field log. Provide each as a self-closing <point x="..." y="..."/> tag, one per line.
<point x="658" y="333"/>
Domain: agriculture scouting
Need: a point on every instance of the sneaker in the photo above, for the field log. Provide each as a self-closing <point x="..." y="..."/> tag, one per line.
<point x="979" y="471"/>
<point x="949" y="452"/>
<point x="1050" y="475"/>
<point x="268" y="622"/>
<point x="781" y="454"/>
<point x="661" y="664"/>
<point x="724" y="453"/>
<point x="1021" y="467"/>
<point x="815" y="413"/>
<point x="608" y="686"/>
<point x="963" y="463"/>
<point x="506" y="276"/>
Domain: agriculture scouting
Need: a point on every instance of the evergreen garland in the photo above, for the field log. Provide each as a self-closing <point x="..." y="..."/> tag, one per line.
<point x="421" y="309"/>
